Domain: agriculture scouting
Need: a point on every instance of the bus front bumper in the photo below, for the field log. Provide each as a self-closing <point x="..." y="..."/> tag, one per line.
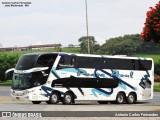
<point x="19" y="95"/>
<point x="25" y="97"/>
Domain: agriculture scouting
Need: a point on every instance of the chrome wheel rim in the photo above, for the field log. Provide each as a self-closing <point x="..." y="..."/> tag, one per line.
<point x="120" y="98"/>
<point x="68" y="98"/>
<point x="54" y="98"/>
<point x="131" y="98"/>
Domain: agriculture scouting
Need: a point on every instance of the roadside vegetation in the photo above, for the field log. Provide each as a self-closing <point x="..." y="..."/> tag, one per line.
<point x="157" y="86"/>
<point x="6" y="83"/>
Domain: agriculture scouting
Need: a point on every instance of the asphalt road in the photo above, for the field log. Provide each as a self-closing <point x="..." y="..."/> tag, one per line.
<point x="5" y="90"/>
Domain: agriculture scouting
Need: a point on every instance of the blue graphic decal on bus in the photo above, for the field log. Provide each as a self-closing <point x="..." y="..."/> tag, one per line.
<point x="47" y="90"/>
<point x="115" y="77"/>
<point x="100" y="73"/>
<point x="122" y="83"/>
<point x="101" y="91"/>
<point x="145" y="82"/>
<point x="55" y="73"/>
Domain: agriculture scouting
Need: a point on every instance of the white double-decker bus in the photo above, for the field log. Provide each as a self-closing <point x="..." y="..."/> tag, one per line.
<point x="64" y="77"/>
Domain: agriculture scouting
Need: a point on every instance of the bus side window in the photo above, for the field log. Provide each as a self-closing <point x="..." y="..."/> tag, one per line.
<point x="61" y="63"/>
<point x="66" y="62"/>
<point x="136" y="65"/>
<point x="73" y="61"/>
<point x="143" y="64"/>
<point x="62" y="60"/>
<point x="133" y="64"/>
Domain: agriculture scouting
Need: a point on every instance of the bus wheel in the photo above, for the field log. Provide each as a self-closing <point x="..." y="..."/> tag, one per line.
<point x="54" y="98"/>
<point x="36" y="102"/>
<point x="103" y="102"/>
<point x="120" y="99"/>
<point x="131" y="98"/>
<point x="68" y="99"/>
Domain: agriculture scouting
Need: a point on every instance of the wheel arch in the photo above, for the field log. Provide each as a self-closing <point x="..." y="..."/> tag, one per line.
<point x="56" y="91"/>
<point x="134" y="94"/>
<point x="70" y="91"/>
<point x="122" y="93"/>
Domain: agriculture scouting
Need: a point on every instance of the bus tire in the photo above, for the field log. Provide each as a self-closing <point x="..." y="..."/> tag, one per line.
<point x="120" y="99"/>
<point x="36" y="102"/>
<point x="131" y="99"/>
<point x="54" y="98"/>
<point x="103" y="102"/>
<point x="68" y="98"/>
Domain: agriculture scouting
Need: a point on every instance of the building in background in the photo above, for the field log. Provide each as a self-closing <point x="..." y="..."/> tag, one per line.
<point x="31" y="47"/>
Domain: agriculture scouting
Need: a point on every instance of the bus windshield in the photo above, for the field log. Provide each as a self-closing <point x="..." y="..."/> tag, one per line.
<point x="31" y="79"/>
<point x="28" y="80"/>
<point x="26" y="62"/>
<point x="21" y="81"/>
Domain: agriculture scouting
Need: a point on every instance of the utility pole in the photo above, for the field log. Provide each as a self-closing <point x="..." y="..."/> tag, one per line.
<point x="87" y="26"/>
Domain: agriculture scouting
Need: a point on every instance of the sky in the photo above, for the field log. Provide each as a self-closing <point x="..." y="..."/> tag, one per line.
<point x="64" y="21"/>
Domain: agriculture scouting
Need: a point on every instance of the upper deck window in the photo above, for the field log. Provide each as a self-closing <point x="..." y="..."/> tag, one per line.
<point x="104" y="63"/>
<point x="26" y="62"/>
<point x="66" y="62"/>
<point x="30" y="61"/>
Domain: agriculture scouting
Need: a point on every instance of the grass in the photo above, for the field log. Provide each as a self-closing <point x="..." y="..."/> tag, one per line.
<point x="156" y="58"/>
<point x="6" y="83"/>
<point x="64" y="49"/>
<point x="157" y="86"/>
<point x="71" y="50"/>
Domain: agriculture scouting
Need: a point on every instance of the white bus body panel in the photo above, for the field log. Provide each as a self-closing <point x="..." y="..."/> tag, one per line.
<point x="129" y="79"/>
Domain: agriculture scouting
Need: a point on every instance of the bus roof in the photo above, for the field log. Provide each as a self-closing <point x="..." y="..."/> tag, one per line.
<point x="87" y="55"/>
<point x="105" y="56"/>
<point x="41" y="53"/>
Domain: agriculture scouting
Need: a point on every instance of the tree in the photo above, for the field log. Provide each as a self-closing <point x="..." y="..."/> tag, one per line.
<point x="7" y="61"/>
<point x="84" y="44"/>
<point x="151" y="30"/>
<point x="129" y="45"/>
<point x="97" y="49"/>
<point x="126" y="45"/>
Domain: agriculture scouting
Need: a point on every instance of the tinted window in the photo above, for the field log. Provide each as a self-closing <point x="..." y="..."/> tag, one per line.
<point x="124" y="64"/>
<point x="30" y="61"/>
<point x="104" y="63"/>
<point x="45" y="60"/>
<point x="143" y="64"/>
<point x="26" y="62"/>
<point x="113" y="63"/>
<point x="66" y="62"/>
<point x="28" y="80"/>
<point x="88" y="62"/>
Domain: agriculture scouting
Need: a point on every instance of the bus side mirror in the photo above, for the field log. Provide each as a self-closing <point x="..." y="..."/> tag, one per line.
<point x="9" y="71"/>
<point x="43" y="73"/>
